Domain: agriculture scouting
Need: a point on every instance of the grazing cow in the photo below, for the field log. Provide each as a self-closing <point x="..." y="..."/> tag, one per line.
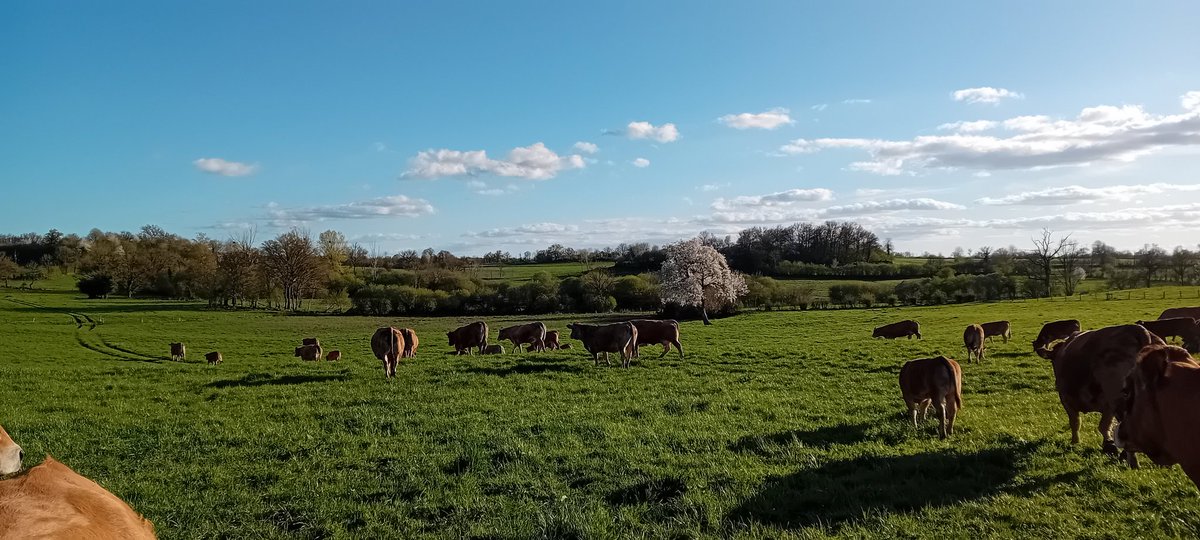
<point x="410" y="342"/>
<point x="494" y="348"/>
<point x="466" y="337"/>
<point x="937" y="380"/>
<point x="11" y="454"/>
<point x="1166" y="379"/>
<point x="334" y="356"/>
<point x="1054" y="331"/>
<point x="973" y="341"/>
<point x="606" y="338"/>
<point x="213" y="358"/>
<point x="53" y="501"/>
<point x="388" y="344"/>
<point x="178" y="351"/>
<point x="310" y="341"/>
<point x="551" y="340"/>
<point x="898" y="330"/>
<point x="1089" y="373"/>
<point x="1184" y="328"/>
<point x="309" y="352"/>
<point x="997" y="328"/>
<point x="534" y="332"/>
<point x="1190" y="312"/>
<point x="658" y="332"/>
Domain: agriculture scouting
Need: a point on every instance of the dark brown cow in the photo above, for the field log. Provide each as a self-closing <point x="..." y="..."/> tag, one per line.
<point x="898" y="330"/>
<point x="333" y="356"/>
<point x="178" y="351"/>
<point x="1089" y="372"/>
<point x="410" y="343"/>
<point x="309" y="352"/>
<point x="388" y="344"/>
<point x="552" y="340"/>
<point x="658" y="332"/>
<point x="932" y="380"/>
<point x="1162" y="409"/>
<point x="533" y="333"/>
<point x="310" y="341"/>
<point x="973" y="341"/>
<point x="997" y="328"/>
<point x="464" y="338"/>
<point x="1184" y="328"/>
<point x="1190" y="312"/>
<point x="494" y="348"/>
<point x="1051" y="332"/>
<point x="606" y="338"/>
<point x="214" y="358"/>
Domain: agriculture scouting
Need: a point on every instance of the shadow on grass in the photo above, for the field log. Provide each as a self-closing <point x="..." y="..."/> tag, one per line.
<point x="266" y="379"/>
<point x="1009" y="354"/>
<point x="818" y="437"/>
<point x="844" y="491"/>
<point x="525" y="369"/>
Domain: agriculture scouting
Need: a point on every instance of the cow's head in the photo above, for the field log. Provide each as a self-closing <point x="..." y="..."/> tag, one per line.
<point x="299" y="351"/>
<point x="876" y="333"/>
<point x="450" y="338"/>
<point x="10" y="454"/>
<point x="1141" y="428"/>
<point x="575" y="330"/>
<point x="504" y="333"/>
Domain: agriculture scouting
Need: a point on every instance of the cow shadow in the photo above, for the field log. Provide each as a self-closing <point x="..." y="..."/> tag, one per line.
<point x="265" y="379"/>
<point x="524" y="369"/>
<point x="841" y="492"/>
<point x="821" y="437"/>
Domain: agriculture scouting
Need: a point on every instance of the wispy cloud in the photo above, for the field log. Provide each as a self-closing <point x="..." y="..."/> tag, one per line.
<point x="586" y="147"/>
<point x="1074" y="194"/>
<point x="771" y="119"/>
<point x="533" y="162"/>
<point x="779" y="198"/>
<point x="985" y="94"/>
<point x="855" y="101"/>
<point x="969" y="126"/>
<point x="641" y="163"/>
<point x="382" y="207"/>
<point x="645" y="130"/>
<point x="224" y="168"/>
<point x="820" y="107"/>
<point x="1102" y="133"/>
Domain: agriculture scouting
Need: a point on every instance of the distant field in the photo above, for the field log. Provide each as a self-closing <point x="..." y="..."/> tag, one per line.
<point x="522" y="272"/>
<point x="775" y="424"/>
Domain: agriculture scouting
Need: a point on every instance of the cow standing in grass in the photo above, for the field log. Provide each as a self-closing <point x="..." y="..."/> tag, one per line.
<point x="657" y="332"/>
<point x="932" y="380"/>
<point x="997" y="328"/>
<point x="607" y="338"/>
<point x="898" y="330"/>
<point x="1161" y="409"/>
<point x="308" y="352"/>
<point x="464" y="338"/>
<point x="410" y="342"/>
<point x="388" y="344"/>
<point x="533" y="333"/>
<point x="1184" y="328"/>
<point x="973" y="341"/>
<point x="178" y="351"/>
<point x="1054" y="331"/>
<point x="213" y="358"/>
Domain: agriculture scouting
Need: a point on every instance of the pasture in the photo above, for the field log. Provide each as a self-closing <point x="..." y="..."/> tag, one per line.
<point x="780" y="424"/>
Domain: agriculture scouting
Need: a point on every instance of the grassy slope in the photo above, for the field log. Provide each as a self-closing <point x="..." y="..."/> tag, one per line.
<point x="776" y="424"/>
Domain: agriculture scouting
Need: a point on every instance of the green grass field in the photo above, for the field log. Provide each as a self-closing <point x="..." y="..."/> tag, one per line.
<point x="782" y="424"/>
<point x="522" y="272"/>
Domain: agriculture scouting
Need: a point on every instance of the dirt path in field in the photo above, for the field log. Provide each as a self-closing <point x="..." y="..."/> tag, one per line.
<point x="89" y="338"/>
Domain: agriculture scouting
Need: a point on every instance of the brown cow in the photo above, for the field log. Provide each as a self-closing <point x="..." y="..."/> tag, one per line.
<point x="1054" y="331"/>
<point x="1166" y="379"/>
<point x="333" y="356"/>
<point x="388" y="344"/>
<point x="973" y="341"/>
<point x="410" y="343"/>
<point x="898" y="330"/>
<point x="53" y="501"/>
<point x="606" y="338"/>
<point x="1190" y="312"/>
<point x="534" y="332"/>
<point x="564" y="347"/>
<point x="11" y="454"/>
<point x="494" y="348"/>
<point x="1089" y="373"/>
<point x="466" y="337"/>
<point x="997" y="328"/>
<point x="658" y="332"/>
<point x="213" y="358"/>
<point x="1184" y="328"/>
<point x="178" y="351"/>
<point x="309" y="352"/>
<point x="310" y="341"/>
<point x="937" y="380"/>
<point x="551" y="340"/>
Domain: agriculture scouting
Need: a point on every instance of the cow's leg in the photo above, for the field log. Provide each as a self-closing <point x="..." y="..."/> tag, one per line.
<point x="1073" y="419"/>
<point x="678" y="347"/>
<point x="912" y="411"/>
<point x="924" y="408"/>
<point x="1107" y="445"/>
<point x="939" y="407"/>
<point x="951" y="412"/>
<point x="666" y="348"/>
<point x="606" y="362"/>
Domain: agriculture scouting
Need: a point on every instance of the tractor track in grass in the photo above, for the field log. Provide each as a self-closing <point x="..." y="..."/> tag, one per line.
<point x="89" y="338"/>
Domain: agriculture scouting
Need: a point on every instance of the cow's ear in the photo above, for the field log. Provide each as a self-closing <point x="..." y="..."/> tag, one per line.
<point x="1178" y="354"/>
<point x="1152" y="366"/>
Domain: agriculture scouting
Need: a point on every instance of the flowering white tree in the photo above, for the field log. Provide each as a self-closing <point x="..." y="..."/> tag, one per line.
<point x="695" y="274"/>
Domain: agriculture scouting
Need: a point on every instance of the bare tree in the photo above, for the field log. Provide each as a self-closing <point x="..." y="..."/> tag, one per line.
<point x="1150" y="259"/>
<point x="1072" y="259"/>
<point x="1040" y="260"/>
<point x="290" y="261"/>
<point x="1182" y="261"/>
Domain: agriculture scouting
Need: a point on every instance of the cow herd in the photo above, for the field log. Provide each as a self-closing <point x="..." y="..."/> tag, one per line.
<point x="1127" y="373"/>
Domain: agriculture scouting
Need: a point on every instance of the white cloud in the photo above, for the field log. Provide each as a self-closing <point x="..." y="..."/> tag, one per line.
<point x="223" y="167"/>
<point x="533" y="162"/>
<point x="381" y="207"/>
<point x="535" y="228"/>
<point x="890" y="206"/>
<point x="645" y="130"/>
<point x="985" y="94"/>
<point x="709" y="187"/>
<point x="641" y="163"/>
<point x="820" y="107"/>
<point x="586" y="147"/>
<point x="1191" y="100"/>
<point x="969" y="126"/>
<point x="1065" y="195"/>
<point x="1103" y="133"/>
<point x="855" y="101"/>
<point x="764" y="120"/>
<point x="745" y="211"/>
<point x="477" y="184"/>
<point x="779" y="198"/>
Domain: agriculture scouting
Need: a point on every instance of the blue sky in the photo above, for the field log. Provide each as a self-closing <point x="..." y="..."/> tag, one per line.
<point x="936" y="124"/>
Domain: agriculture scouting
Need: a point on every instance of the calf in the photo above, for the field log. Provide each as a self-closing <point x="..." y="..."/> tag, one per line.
<point x="178" y="351"/>
<point x="973" y="341"/>
<point x="1161" y="409"/>
<point x="494" y="348"/>
<point x="410" y="342"/>
<point x="606" y="338"/>
<point x="309" y="352"/>
<point x="997" y="328"/>
<point x="213" y="358"/>
<point x="932" y="380"/>
<point x="898" y="330"/>
<point x="333" y="356"/>
<point x="310" y="341"/>
<point x="551" y="340"/>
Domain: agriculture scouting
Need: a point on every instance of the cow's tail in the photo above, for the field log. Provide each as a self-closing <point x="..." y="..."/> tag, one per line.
<point x="956" y="376"/>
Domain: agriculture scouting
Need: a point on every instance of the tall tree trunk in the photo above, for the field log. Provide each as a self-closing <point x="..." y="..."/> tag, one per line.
<point x="704" y="313"/>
